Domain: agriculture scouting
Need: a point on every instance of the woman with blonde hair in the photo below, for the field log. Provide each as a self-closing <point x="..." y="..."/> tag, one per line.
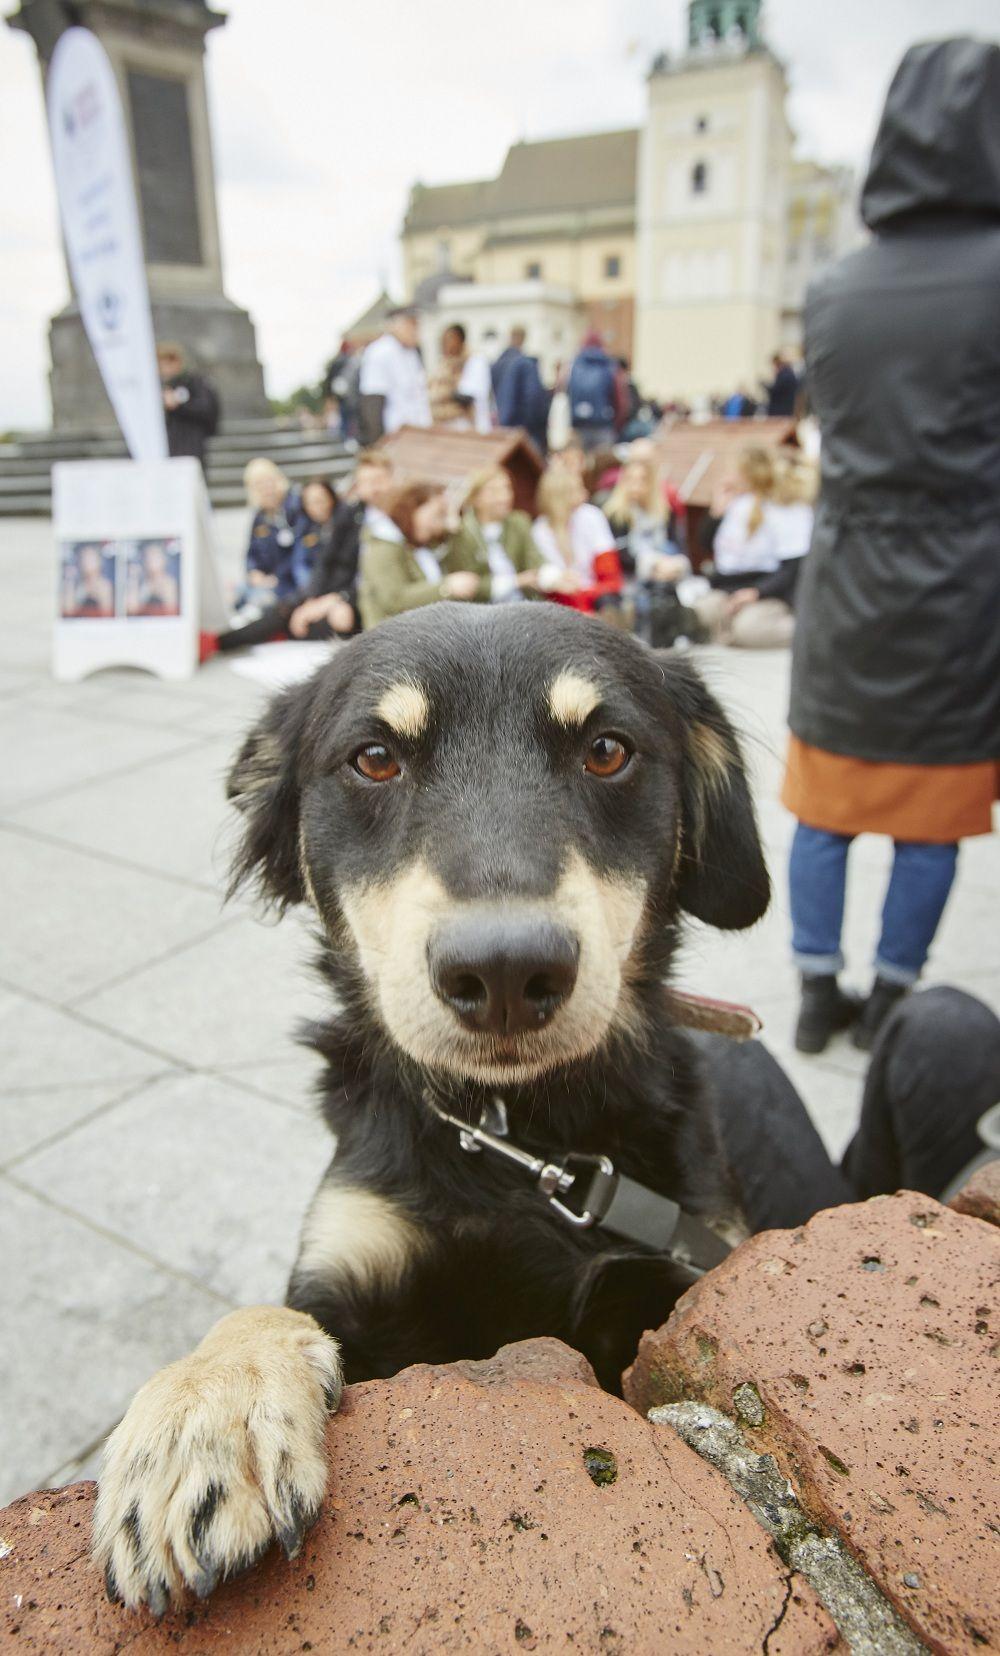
<point x="741" y="534"/>
<point x="496" y="541"/>
<point x="761" y="614"/>
<point x="575" y="538"/>
<point x="638" y="514"/>
<point x="270" y="573"/>
<point x="408" y="559"/>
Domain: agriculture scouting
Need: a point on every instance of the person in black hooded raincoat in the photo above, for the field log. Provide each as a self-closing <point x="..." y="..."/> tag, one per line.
<point x="895" y="704"/>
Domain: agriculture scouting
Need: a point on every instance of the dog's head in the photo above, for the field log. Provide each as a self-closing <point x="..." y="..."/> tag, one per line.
<point x="496" y="815"/>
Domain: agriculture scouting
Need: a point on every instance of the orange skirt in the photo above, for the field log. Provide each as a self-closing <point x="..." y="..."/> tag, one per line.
<point x="932" y="804"/>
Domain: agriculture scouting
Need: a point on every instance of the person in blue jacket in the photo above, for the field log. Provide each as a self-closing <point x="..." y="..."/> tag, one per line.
<point x="271" y="573"/>
<point x="593" y="402"/>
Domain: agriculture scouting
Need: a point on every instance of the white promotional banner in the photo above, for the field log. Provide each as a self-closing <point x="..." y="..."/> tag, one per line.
<point x="93" y="171"/>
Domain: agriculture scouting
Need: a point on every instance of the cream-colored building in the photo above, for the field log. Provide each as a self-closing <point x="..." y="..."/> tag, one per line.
<point x="561" y="212"/>
<point x="688" y="243"/>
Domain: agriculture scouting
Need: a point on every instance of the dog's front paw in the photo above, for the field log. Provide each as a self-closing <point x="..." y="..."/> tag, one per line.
<point x="218" y="1455"/>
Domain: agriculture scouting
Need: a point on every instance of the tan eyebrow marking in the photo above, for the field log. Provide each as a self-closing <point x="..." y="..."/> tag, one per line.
<point x="405" y="709"/>
<point x="572" y="698"/>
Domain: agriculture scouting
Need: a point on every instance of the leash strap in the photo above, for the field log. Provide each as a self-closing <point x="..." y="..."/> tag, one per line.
<point x="600" y="1194"/>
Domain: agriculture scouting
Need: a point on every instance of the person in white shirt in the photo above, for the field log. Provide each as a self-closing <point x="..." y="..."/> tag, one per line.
<point x="393" y="383"/>
<point x="576" y="537"/>
<point x="461" y="387"/>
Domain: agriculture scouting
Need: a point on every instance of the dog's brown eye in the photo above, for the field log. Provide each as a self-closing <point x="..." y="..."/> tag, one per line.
<point x="606" y="756"/>
<point x="375" y="762"/>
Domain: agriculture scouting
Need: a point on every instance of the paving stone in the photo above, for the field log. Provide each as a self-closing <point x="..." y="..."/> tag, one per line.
<point x="861" y="1351"/>
<point x="461" y="1516"/>
<point x="233" y="997"/>
<point x="178" y="823"/>
<point x="43" y="1049"/>
<point x="99" y="921"/>
<point x="85" y="1322"/>
<point x="213" y="1179"/>
<point x="29" y="1120"/>
<point x="45" y="751"/>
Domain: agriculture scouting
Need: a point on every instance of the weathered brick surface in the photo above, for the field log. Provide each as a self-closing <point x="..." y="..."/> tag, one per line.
<point x="980" y="1195"/>
<point x="862" y="1352"/>
<point x="461" y="1516"/>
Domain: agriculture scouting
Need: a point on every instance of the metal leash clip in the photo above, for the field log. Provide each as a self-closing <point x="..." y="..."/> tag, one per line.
<point x="554" y="1179"/>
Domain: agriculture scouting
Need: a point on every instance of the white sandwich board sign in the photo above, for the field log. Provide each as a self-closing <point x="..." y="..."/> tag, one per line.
<point x="136" y="581"/>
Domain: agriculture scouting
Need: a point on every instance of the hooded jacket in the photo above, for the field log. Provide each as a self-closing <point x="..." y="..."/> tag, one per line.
<point x="897" y="647"/>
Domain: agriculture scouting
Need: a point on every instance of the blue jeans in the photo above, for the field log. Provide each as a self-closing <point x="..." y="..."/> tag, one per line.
<point x="921" y="879"/>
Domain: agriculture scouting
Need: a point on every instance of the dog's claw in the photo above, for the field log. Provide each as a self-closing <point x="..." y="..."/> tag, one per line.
<point x="206" y="1581"/>
<point x="158" y="1598"/>
<point x="111" y="1587"/>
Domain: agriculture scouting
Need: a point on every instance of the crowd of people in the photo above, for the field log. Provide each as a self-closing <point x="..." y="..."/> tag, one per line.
<point x="610" y="535"/>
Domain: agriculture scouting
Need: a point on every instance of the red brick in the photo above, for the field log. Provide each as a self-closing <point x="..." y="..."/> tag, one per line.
<point x="980" y="1195"/>
<point x="460" y="1517"/>
<point x="871" y="1338"/>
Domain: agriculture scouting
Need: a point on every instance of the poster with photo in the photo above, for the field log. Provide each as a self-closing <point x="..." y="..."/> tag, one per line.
<point x="87" y="580"/>
<point x="153" y="577"/>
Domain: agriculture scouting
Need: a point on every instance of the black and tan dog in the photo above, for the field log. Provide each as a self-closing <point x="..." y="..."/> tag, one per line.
<point x="497" y="817"/>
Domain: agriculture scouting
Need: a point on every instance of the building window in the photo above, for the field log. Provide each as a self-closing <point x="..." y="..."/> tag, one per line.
<point x="701" y="124"/>
<point x="613" y="264"/>
<point x="533" y="270"/>
<point x="699" y="178"/>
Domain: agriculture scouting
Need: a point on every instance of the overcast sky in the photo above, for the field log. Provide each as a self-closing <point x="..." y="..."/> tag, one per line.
<point x="324" y="114"/>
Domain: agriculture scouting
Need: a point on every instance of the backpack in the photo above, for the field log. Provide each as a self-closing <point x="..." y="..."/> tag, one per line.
<point x="592" y="391"/>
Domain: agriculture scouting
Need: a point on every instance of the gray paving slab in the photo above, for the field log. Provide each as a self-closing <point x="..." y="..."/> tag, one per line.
<point x="233" y="997"/>
<point x="291" y="1080"/>
<point x="47" y="751"/>
<point x="177" y="823"/>
<point x="29" y="1120"/>
<point x="85" y="1322"/>
<point x="43" y="1048"/>
<point x="70" y="922"/>
<point x="206" y="1176"/>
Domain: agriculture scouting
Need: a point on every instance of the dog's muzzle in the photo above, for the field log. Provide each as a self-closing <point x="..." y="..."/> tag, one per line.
<point x="503" y="976"/>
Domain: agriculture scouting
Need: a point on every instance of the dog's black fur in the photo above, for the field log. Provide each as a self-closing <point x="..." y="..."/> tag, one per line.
<point x="492" y="797"/>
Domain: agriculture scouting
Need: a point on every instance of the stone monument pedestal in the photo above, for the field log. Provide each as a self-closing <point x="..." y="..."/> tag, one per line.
<point x="157" y="50"/>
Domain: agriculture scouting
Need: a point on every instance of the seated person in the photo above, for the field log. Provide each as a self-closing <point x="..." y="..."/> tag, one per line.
<point x="739" y="532"/>
<point x="496" y="541"/>
<point x="325" y="606"/>
<point x="762" y="615"/>
<point x="407" y="558"/>
<point x="277" y="510"/>
<point x="576" y="539"/>
<point x="636" y="510"/>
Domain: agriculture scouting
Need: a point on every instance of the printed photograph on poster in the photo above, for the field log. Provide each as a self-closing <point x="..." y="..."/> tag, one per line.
<point x="153" y="577"/>
<point x="87" y="580"/>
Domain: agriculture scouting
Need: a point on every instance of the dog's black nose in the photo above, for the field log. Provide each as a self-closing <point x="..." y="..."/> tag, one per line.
<point x="503" y="975"/>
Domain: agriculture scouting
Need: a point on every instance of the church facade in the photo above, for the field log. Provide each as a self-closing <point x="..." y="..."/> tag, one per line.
<point x="688" y="243"/>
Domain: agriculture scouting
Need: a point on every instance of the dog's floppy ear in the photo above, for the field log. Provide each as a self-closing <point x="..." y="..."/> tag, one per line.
<point x="721" y="874"/>
<point x="263" y="784"/>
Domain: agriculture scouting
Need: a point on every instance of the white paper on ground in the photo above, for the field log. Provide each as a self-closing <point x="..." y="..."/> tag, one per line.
<point x="278" y="665"/>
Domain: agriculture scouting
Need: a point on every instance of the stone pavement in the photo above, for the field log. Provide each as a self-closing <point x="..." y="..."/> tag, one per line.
<point x="157" y="1140"/>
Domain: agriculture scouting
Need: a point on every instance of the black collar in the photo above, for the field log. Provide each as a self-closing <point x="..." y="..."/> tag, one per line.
<point x="586" y="1190"/>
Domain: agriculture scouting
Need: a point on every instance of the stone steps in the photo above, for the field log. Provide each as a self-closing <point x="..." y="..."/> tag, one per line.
<point x="26" y="462"/>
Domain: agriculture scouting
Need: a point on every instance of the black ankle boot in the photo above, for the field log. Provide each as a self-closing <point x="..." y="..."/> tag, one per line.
<point x="880" y="1002"/>
<point x="824" y="1009"/>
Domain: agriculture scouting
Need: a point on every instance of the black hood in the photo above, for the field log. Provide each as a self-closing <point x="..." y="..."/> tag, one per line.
<point x="938" y="143"/>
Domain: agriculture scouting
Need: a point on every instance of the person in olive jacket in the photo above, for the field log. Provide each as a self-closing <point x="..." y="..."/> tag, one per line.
<point x="408" y="558"/>
<point x="496" y="541"/>
<point x="895" y="705"/>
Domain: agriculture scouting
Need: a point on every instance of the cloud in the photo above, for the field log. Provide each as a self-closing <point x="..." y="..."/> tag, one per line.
<point x="323" y="116"/>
